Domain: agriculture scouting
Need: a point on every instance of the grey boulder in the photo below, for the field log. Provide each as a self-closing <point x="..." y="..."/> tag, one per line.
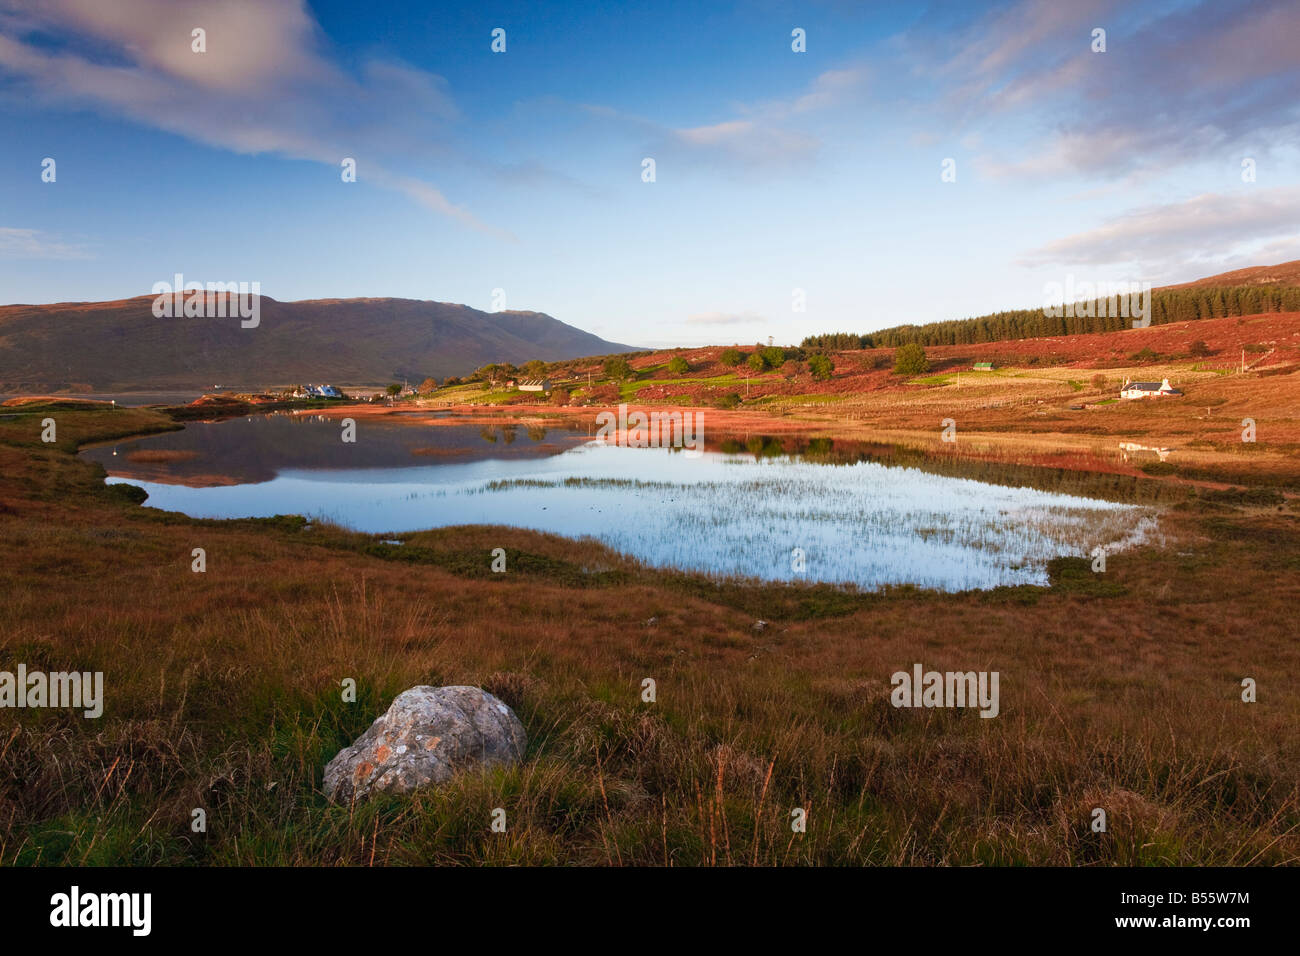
<point x="426" y="736"/>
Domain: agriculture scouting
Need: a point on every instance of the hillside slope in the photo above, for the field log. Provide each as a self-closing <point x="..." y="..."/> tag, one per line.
<point x="1254" y="291"/>
<point x="1282" y="274"/>
<point x="121" y="345"/>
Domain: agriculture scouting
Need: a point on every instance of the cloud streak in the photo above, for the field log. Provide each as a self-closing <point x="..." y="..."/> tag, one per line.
<point x="264" y="85"/>
<point x="725" y="318"/>
<point x="34" y="244"/>
<point x="1209" y="227"/>
<point x="761" y="137"/>
<point x="1177" y="83"/>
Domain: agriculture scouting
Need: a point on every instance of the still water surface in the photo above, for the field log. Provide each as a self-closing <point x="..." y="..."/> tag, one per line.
<point x="722" y="513"/>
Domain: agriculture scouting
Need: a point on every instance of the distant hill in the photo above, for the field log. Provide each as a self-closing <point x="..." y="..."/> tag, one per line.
<point x="1283" y="274"/>
<point x="121" y="345"/>
<point x="1251" y="291"/>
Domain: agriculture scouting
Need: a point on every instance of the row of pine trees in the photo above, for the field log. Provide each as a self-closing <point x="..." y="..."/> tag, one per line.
<point x="1167" y="305"/>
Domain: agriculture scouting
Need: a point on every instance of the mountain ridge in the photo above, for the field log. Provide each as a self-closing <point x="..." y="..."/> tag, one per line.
<point x="119" y="344"/>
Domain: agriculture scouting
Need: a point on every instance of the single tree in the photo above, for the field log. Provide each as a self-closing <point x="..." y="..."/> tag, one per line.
<point x="910" y="360"/>
<point x="821" y="367"/>
<point x="732" y="357"/>
<point x="678" y="365"/>
<point x="617" y="369"/>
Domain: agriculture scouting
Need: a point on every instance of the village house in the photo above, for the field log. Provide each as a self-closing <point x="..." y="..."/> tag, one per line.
<point x="317" y="391"/>
<point x="535" y="385"/>
<point x="1148" y="389"/>
<point x="983" y="367"/>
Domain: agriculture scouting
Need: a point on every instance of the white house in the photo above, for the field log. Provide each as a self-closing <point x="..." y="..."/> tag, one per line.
<point x="1127" y="448"/>
<point x="317" y="391"/>
<point x="1148" y="390"/>
<point x="535" y="385"/>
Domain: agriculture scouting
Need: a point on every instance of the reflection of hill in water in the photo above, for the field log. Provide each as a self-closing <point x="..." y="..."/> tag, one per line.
<point x="835" y="451"/>
<point x="252" y="450"/>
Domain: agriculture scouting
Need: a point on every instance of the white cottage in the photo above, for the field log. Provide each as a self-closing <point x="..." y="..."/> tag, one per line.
<point x="1148" y="390"/>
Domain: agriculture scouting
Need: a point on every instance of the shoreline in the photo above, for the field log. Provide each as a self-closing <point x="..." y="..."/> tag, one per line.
<point x="1080" y="454"/>
<point x="795" y="677"/>
<point x="1096" y="453"/>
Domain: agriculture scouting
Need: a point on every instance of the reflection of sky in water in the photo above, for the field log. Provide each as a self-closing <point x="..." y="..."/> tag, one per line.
<point x="862" y="523"/>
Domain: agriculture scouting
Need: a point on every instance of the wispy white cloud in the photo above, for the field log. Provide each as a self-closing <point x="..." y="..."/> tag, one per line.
<point x="1208" y="228"/>
<point x="34" y="244"/>
<point x="1020" y="86"/>
<point x="835" y="89"/>
<point x="1178" y="83"/>
<point x="264" y="84"/>
<point x="773" y="133"/>
<point x="748" y="143"/>
<point x="725" y="318"/>
<point x="769" y="136"/>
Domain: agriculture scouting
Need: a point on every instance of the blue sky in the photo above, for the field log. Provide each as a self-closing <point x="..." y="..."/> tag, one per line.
<point x="522" y="170"/>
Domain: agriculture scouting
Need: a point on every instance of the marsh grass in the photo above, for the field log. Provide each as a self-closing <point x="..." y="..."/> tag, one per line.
<point x="223" y="692"/>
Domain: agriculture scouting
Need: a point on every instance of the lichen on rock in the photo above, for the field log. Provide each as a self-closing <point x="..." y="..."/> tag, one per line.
<point x="425" y="737"/>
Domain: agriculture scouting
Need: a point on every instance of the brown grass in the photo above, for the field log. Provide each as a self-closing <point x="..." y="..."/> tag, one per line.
<point x="223" y="692"/>
<point x="160" y="456"/>
<point x="430" y="451"/>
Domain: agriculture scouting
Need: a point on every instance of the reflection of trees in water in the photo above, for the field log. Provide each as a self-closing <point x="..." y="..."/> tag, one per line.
<point x="760" y="446"/>
<point x="1088" y="484"/>
<point x="492" y="432"/>
<point x="536" y="433"/>
<point x="831" y="451"/>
